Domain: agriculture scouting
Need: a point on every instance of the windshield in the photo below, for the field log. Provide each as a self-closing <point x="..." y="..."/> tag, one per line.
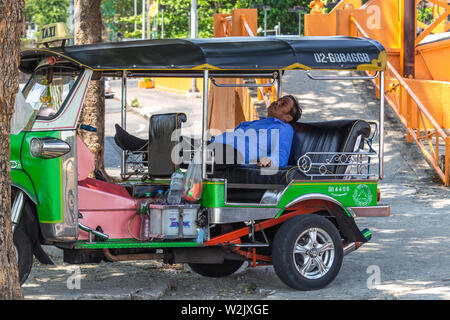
<point x="48" y="89"/>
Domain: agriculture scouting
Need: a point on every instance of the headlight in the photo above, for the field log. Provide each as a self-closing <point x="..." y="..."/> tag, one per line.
<point x="48" y="148"/>
<point x="35" y="147"/>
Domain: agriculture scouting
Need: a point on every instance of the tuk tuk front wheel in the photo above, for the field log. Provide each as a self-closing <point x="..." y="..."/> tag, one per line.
<point x="24" y="254"/>
<point x="216" y="270"/>
<point x="307" y="252"/>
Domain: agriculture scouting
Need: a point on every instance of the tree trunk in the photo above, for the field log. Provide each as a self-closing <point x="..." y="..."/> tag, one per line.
<point x="88" y="29"/>
<point x="11" y="29"/>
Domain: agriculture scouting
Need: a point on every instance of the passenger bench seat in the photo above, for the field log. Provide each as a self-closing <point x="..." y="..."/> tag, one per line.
<point x="326" y="136"/>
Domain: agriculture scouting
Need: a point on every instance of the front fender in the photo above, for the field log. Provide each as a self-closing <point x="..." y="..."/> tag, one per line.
<point x="315" y="202"/>
<point x="21" y="180"/>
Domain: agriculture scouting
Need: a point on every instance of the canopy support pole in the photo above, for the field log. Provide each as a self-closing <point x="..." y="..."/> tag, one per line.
<point x="204" y="122"/>
<point x="381" y="128"/>
<point x="123" y="122"/>
<point x="279" y="84"/>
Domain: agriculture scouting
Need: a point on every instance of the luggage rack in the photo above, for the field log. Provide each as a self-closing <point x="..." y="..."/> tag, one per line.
<point x="135" y="163"/>
<point x="357" y="164"/>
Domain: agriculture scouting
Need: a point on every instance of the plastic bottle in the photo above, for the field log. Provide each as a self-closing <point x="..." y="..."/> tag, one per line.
<point x="176" y="184"/>
<point x="200" y="236"/>
<point x="159" y="198"/>
<point x="144" y="232"/>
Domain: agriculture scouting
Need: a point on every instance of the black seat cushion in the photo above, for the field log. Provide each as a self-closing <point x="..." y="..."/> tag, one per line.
<point x="127" y="141"/>
<point x="251" y="174"/>
<point x="161" y="143"/>
<point x="328" y="136"/>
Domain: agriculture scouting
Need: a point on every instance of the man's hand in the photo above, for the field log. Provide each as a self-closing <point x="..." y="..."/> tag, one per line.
<point x="264" y="162"/>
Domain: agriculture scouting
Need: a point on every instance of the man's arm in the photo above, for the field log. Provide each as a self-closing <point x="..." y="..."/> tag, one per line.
<point x="280" y="148"/>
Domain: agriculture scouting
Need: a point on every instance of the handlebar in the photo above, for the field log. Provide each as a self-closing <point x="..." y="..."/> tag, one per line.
<point x="87" y="127"/>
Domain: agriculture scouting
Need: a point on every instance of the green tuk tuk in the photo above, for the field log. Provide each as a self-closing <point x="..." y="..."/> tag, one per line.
<point x="299" y="218"/>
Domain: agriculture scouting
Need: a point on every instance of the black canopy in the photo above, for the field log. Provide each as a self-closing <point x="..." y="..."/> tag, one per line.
<point x="233" y="54"/>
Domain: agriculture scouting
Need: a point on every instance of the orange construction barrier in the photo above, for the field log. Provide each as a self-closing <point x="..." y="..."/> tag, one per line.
<point x="418" y="72"/>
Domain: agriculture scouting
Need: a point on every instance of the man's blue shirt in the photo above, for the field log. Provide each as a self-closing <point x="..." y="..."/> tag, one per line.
<point x="269" y="137"/>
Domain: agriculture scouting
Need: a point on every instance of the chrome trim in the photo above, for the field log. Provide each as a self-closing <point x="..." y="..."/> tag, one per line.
<point x="351" y="160"/>
<point x="123" y="123"/>
<point x="192" y="74"/>
<point x="381" y="129"/>
<point x="16" y="208"/>
<point x="314" y="196"/>
<point x="245" y="85"/>
<point x="253" y="204"/>
<point x="374" y="211"/>
<point x="91" y="231"/>
<point x="239" y="214"/>
<point x="67" y="229"/>
<point x="349" y="210"/>
<point x="308" y="73"/>
<point x="352" y="246"/>
<point x="49" y="148"/>
<point x="279" y="79"/>
<point x="205" y="123"/>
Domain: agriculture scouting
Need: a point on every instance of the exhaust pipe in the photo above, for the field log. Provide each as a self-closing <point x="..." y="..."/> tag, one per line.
<point x="91" y="232"/>
<point x="132" y="257"/>
<point x="352" y="246"/>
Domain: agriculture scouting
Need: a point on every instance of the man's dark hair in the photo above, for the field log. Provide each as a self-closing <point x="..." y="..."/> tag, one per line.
<point x="296" y="112"/>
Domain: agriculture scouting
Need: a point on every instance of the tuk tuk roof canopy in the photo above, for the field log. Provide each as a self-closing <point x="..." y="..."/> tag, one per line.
<point x="233" y="54"/>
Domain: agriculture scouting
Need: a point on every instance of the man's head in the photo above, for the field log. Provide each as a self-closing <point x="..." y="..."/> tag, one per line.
<point x="286" y="109"/>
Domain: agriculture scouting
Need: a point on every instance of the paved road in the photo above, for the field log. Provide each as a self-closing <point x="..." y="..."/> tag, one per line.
<point x="408" y="257"/>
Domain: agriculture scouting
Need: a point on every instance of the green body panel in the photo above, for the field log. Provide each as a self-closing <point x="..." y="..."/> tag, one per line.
<point x="349" y="193"/>
<point x="15" y="144"/>
<point x="131" y="243"/>
<point x="213" y="195"/>
<point x="21" y="180"/>
<point x="44" y="174"/>
<point x="19" y="177"/>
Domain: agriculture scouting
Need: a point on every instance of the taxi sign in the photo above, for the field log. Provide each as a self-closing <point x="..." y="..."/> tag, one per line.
<point x="54" y="32"/>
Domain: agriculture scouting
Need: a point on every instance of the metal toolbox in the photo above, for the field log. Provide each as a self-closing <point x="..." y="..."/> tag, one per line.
<point x="174" y="221"/>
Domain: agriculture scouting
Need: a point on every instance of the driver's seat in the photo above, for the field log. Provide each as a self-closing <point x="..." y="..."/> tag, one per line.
<point x="164" y="135"/>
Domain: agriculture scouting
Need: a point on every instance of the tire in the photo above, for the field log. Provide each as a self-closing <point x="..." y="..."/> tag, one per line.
<point x="24" y="252"/>
<point x="216" y="270"/>
<point x="302" y="263"/>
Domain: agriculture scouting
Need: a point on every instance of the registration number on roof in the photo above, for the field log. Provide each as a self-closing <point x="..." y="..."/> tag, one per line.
<point x="335" y="57"/>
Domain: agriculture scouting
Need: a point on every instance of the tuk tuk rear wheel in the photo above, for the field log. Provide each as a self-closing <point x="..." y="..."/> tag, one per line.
<point x="24" y="254"/>
<point x="216" y="270"/>
<point x="307" y="252"/>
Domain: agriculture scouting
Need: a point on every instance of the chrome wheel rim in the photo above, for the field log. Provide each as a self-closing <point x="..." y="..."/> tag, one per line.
<point x="313" y="253"/>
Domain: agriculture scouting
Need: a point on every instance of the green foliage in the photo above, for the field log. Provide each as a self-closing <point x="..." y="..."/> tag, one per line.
<point x="278" y="13"/>
<point x="135" y="103"/>
<point x="119" y="16"/>
<point x="425" y="15"/>
<point x="43" y="12"/>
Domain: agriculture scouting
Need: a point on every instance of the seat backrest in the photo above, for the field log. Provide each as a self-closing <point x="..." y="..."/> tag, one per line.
<point x="162" y="143"/>
<point x="85" y="160"/>
<point x="327" y="136"/>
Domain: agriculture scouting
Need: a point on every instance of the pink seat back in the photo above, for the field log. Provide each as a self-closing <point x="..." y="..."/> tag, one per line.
<point x="85" y="159"/>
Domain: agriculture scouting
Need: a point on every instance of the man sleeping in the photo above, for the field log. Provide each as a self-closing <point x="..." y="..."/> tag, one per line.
<point x="265" y="142"/>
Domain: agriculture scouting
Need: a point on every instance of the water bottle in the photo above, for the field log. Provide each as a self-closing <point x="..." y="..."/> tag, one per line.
<point x="200" y="236"/>
<point x="176" y="184"/>
<point x="144" y="232"/>
<point x="159" y="198"/>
